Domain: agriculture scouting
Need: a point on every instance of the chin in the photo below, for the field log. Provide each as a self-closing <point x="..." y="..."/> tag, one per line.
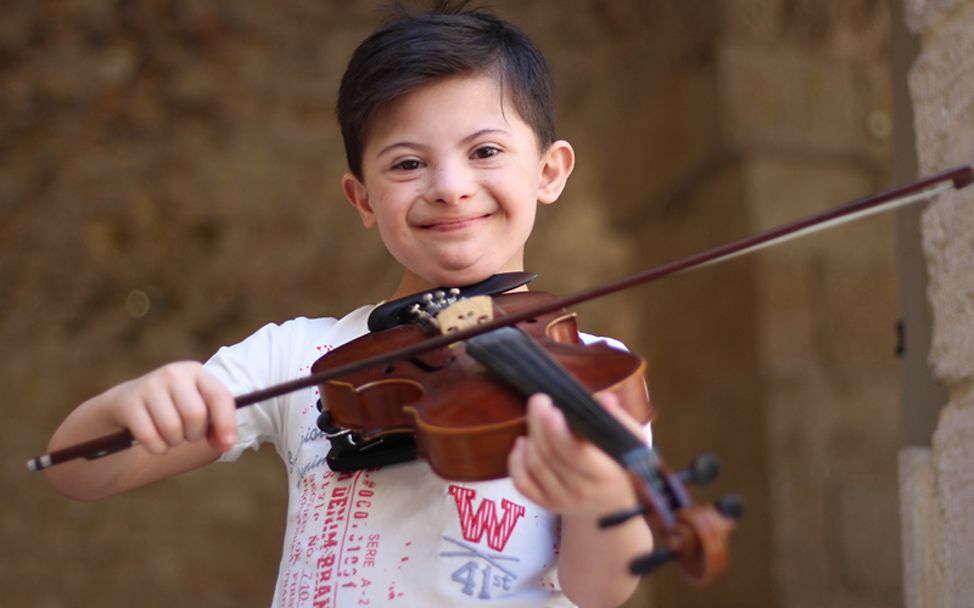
<point x="461" y="270"/>
<point x="460" y="278"/>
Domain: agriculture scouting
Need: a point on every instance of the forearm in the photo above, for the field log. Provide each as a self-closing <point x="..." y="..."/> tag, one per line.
<point x="593" y="564"/>
<point x="108" y="413"/>
<point x="82" y="479"/>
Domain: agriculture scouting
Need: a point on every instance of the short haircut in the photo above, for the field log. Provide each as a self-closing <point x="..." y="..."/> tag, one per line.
<point x="415" y="49"/>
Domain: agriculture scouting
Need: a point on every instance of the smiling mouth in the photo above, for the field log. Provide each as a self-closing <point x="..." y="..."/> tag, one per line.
<point x="448" y="224"/>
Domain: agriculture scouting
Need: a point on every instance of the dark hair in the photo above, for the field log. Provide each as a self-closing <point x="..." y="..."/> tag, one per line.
<point x="415" y="49"/>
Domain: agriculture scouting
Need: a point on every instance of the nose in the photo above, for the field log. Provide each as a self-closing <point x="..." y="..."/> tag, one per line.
<point x="451" y="184"/>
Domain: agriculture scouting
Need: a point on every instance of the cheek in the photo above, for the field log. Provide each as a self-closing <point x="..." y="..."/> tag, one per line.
<point x="395" y="234"/>
<point x="523" y="202"/>
<point x="389" y="232"/>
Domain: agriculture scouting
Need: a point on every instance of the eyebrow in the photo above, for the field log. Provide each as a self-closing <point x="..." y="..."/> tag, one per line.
<point x="467" y="139"/>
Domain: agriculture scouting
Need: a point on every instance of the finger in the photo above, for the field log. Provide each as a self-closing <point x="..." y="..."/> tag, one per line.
<point x="143" y="429"/>
<point x="553" y="478"/>
<point x="166" y="418"/>
<point x="222" y="411"/>
<point x="610" y="401"/>
<point x="544" y="425"/>
<point x="520" y="476"/>
<point x="537" y="481"/>
<point x="191" y="409"/>
<point x="568" y="454"/>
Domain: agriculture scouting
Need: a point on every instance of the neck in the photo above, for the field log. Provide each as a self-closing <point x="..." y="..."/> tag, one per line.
<point x="411" y="283"/>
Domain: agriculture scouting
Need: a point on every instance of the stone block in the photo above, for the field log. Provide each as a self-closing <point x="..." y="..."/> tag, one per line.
<point x="936" y="492"/>
<point x="922" y="14"/>
<point x="921" y="530"/>
<point x="948" y="239"/>
<point x="942" y="88"/>
<point x="953" y="453"/>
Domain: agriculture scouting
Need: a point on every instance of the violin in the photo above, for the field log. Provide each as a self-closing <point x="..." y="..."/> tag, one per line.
<point x="461" y="407"/>
<point x="485" y="335"/>
<point x="449" y="400"/>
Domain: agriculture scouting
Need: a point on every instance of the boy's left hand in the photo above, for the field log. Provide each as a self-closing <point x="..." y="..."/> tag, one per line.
<point x="564" y="473"/>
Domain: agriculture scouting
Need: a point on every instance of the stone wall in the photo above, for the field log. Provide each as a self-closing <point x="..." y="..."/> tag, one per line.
<point x="936" y="483"/>
<point x="168" y="183"/>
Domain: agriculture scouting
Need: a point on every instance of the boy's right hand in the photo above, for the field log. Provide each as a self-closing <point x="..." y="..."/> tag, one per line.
<point x="177" y="402"/>
<point x="168" y="411"/>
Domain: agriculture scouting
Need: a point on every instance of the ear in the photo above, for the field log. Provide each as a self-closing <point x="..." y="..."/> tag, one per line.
<point x="556" y="165"/>
<point x="358" y="195"/>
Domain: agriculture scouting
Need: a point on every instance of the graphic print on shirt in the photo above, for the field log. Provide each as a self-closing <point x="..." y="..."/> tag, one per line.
<point x="483" y="572"/>
<point x="333" y="551"/>
<point x="390" y="536"/>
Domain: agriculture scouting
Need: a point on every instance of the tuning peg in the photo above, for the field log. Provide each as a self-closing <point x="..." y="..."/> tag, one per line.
<point x="731" y="506"/>
<point x="648" y="563"/>
<point x="702" y="470"/>
<point x="620" y="517"/>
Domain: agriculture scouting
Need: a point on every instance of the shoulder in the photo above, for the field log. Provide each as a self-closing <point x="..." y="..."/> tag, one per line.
<point x="302" y="330"/>
<point x="275" y="353"/>
<point x="281" y="350"/>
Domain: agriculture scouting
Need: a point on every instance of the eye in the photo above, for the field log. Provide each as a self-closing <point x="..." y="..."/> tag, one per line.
<point x="409" y="164"/>
<point x="486" y="151"/>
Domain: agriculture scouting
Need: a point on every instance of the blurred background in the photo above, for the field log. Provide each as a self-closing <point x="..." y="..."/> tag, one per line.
<point x="169" y="182"/>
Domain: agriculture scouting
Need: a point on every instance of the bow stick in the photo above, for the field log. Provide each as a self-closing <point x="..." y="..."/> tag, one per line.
<point x="920" y="190"/>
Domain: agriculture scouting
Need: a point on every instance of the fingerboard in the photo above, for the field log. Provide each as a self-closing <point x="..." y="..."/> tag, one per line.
<point x="516" y="359"/>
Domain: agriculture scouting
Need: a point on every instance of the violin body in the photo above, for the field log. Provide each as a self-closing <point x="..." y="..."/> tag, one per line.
<point x="464" y="406"/>
<point x="465" y="420"/>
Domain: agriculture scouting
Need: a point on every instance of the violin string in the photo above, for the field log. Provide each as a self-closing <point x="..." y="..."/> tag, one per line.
<point x="521" y="362"/>
<point x="544" y="376"/>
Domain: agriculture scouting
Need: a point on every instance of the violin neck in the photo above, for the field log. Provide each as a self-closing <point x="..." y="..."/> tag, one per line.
<point x="519" y="361"/>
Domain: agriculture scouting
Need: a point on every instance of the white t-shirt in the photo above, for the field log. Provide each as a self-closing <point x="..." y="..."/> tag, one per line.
<point x="394" y="535"/>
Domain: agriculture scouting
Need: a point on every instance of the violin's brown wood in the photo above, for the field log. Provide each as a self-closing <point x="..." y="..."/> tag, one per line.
<point x="700" y="541"/>
<point x="465" y="421"/>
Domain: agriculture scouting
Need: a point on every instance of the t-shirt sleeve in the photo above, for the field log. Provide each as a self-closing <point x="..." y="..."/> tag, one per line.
<point x="591" y="339"/>
<point x="245" y="367"/>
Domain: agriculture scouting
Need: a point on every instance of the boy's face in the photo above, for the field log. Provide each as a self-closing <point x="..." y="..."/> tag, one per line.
<point x="452" y="177"/>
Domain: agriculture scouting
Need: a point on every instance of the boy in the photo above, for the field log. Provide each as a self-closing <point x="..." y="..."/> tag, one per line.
<point x="447" y="121"/>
